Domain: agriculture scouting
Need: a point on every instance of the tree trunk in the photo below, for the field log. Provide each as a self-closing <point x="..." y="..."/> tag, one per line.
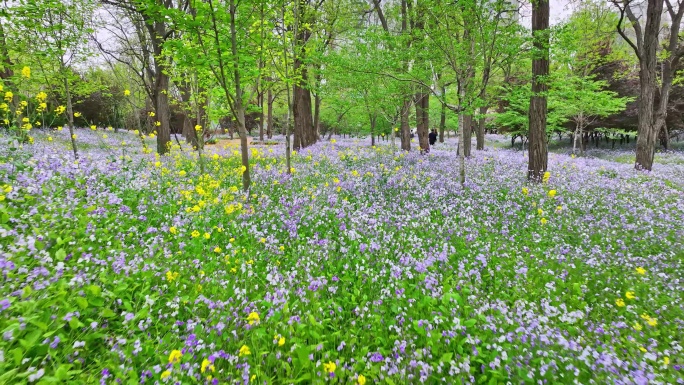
<point x="405" y="128"/>
<point x="70" y="113"/>
<point x="261" y="115"/>
<point x="372" y="130"/>
<point x="481" y="129"/>
<point x="461" y="154"/>
<point x="538" y="153"/>
<point x="269" y="119"/>
<point x="467" y="135"/>
<point x="423" y="119"/>
<point x="442" y="119"/>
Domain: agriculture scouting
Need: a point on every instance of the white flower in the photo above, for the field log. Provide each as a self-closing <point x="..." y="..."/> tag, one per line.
<point x="36" y="376"/>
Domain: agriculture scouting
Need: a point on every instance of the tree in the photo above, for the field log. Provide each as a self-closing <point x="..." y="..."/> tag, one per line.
<point x="57" y="39"/>
<point x="538" y="153"/>
<point x="651" y="115"/>
<point x="154" y="28"/>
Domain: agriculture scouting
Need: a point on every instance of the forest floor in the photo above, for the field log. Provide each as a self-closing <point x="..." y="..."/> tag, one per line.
<point x="365" y="265"/>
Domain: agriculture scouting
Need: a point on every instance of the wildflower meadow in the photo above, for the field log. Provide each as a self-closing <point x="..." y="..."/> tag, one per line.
<point x="364" y="265"/>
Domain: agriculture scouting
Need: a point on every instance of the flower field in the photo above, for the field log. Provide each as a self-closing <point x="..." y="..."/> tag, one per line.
<point x="364" y="266"/>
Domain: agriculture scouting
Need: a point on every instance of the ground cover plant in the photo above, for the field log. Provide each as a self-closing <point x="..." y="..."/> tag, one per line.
<point x="364" y="265"/>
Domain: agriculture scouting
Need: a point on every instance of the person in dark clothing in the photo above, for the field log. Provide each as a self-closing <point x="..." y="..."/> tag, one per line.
<point x="432" y="136"/>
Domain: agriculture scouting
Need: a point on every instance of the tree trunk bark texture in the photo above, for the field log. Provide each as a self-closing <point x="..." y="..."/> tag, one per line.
<point x="423" y="119"/>
<point x="538" y="152"/>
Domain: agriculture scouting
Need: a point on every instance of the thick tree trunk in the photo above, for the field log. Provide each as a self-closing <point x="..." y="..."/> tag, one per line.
<point x="467" y="135"/>
<point x="405" y="128"/>
<point x="304" y="134"/>
<point x="423" y="120"/>
<point x="481" y="129"/>
<point x="538" y="152"/>
<point x="163" y="113"/>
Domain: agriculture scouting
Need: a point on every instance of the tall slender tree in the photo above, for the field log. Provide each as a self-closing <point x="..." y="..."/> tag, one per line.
<point x="538" y="151"/>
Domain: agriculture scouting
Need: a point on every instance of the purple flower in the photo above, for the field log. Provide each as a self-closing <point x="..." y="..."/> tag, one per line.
<point x="376" y="357"/>
<point x="4" y="304"/>
<point x="54" y="343"/>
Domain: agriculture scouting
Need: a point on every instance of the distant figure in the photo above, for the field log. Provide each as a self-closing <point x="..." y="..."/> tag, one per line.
<point x="432" y="137"/>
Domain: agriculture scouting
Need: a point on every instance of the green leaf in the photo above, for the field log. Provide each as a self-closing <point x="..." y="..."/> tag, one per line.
<point x="446" y="357"/>
<point x="81" y="302"/>
<point x="60" y="255"/>
<point x="470" y="323"/>
<point x="62" y="373"/>
<point x="107" y="313"/>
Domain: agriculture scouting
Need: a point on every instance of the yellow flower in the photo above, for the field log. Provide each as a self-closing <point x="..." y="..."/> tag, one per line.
<point x="666" y="361"/>
<point x="60" y="110"/>
<point x="157" y="123"/>
<point x="281" y="341"/>
<point x="195" y="234"/>
<point x="231" y="240"/>
<point x="2" y="198"/>
<point x="173" y="230"/>
<point x="206" y="365"/>
<point x="41" y="97"/>
<point x="157" y="164"/>
<point x="361" y="380"/>
<point x="630" y="295"/>
<point x="182" y="173"/>
<point x="642" y="349"/>
<point x="540" y="211"/>
<point x="525" y="191"/>
<point x="637" y="326"/>
<point x="652" y="321"/>
<point x="49" y="139"/>
<point x="543" y="221"/>
<point x="546" y="177"/>
<point x="93" y="127"/>
<point x="77" y="114"/>
<point x="60" y="128"/>
<point x="559" y="208"/>
<point x="244" y="351"/>
<point x="217" y="249"/>
<point x="262" y="240"/>
<point x="127" y="92"/>
<point x="330" y="367"/>
<point x="73" y="136"/>
<point x="645" y="316"/>
<point x="198" y="127"/>
<point x="165" y="374"/>
<point x="641" y="270"/>
<point x="9" y="96"/>
<point x="620" y="302"/>
<point x="253" y="318"/>
<point x="104" y="136"/>
<point x="175" y="356"/>
<point x="26" y="72"/>
<point x="552" y="193"/>
<point x="171" y="276"/>
<point x="207" y="235"/>
<point x="7" y="188"/>
<point x="151" y="114"/>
